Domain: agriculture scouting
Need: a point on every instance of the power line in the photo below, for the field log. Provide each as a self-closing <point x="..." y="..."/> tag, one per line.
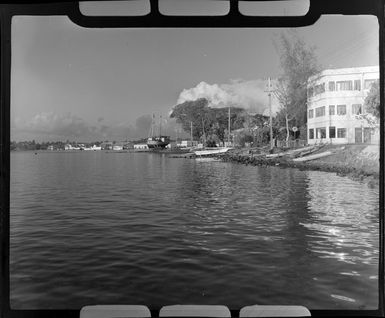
<point x="349" y="50"/>
<point x="342" y="44"/>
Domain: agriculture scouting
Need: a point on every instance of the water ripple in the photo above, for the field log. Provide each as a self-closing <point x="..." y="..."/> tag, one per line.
<point x="143" y="228"/>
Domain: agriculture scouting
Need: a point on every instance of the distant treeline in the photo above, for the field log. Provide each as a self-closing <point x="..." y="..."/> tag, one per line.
<point x="60" y="145"/>
<point x="32" y="145"/>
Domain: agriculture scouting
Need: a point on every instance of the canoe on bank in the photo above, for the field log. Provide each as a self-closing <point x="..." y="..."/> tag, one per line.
<point x="313" y="157"/>
<point x="212" y="151"/>
<point x="207" y="159"/>
<point x="319" y="155"/>
<point x="296" y="152"/>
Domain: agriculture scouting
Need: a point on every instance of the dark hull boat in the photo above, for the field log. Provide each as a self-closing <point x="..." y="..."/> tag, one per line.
<point x="158" y="142"/>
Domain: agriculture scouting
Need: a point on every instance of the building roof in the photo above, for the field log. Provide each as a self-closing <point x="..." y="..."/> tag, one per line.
<point x="347" y="70"/>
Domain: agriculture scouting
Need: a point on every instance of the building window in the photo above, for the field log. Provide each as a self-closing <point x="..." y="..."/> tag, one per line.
<point x="318" y="89"/>
<point x="320" y="111"/>
<point x="332" y="86"/>
<point x="311" y="133"/>
<point x="311" y="113"/>
<point x="344" y="86"/>
<point x="356" y="109"/>
<point x="332" y="110"/>
<point x="341" y="133"/>
<point x="357" y="85"/>
<point x="310" y="92"/>
<point x="332" y="132"/>
<point x="368" y="83"/>
<point x="321" y="132"/>
<point x="341" y="109"/>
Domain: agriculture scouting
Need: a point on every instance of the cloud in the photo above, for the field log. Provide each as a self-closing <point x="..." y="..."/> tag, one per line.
<point x="217" y="96"/>
<point x="249" y="95"/>
<point x="54" y="124"/>
<point x="50" y="126"/>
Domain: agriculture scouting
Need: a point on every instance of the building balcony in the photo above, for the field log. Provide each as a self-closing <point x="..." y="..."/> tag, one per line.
<point x="337" y="94"/>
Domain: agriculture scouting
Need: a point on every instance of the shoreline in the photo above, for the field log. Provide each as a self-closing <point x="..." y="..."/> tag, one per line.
<point x="352" y="162"/>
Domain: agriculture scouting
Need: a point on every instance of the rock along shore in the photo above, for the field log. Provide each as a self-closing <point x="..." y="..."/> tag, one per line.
<point x="359" y="162"/>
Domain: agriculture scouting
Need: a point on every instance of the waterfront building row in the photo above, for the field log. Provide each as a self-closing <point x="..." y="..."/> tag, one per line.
<point x="335" y="106"/>
<point x="81" y="147"/>
<point x="125" y="146"/>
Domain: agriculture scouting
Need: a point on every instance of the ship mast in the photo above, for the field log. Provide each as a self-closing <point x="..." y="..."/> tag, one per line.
<point x="151" y="132"/>
<point x="160" y="125"/>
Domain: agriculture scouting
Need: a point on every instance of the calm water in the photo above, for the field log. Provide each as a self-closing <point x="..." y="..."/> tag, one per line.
<point x="140" y="228"/>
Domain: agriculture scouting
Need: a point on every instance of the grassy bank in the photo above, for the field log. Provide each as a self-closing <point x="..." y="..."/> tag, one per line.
<point x="359" y="162"/>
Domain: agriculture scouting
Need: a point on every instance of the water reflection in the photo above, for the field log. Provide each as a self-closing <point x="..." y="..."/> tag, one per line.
<point x="182" y="231"/>
<point x="344" y="221"/>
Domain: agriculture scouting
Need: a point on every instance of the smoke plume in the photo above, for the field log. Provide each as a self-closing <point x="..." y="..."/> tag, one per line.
<point x="250" y="95"/>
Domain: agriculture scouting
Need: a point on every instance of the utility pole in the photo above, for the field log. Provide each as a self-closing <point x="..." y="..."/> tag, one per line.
<point x="204" y="133"/>
<point x="228" y="136"/>
<point x="269" y="90"/>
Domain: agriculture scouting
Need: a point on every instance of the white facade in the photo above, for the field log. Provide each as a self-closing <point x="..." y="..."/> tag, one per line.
<point x="187" y="143"/>
<point x="335" y="98"/>
<point x="70" y="147"/>
<point x="117" y="147"/>
<point x="141" y="146"/>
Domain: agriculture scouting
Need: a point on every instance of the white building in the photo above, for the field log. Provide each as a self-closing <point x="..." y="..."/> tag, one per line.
<point x="117" y="147"/>
<point x="187" y="143"/>
<point x="335" y="98"/>
<point x="140" y="146"/>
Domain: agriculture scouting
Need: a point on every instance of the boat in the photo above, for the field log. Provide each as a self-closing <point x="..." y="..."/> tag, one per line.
<point x="313" y="157"/>
<point x="319" y="155"/>
<point x="207" y="159"/>
<point x="211" y="151"/>
<point x="157" y="142"/>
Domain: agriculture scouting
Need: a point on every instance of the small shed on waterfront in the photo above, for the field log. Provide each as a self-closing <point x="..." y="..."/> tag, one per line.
<point x="140" y="146"/>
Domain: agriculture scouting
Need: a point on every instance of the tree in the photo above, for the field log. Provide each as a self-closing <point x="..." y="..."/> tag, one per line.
<point x="208" y="123"/>
<point x="372" y="100"/>
<point x="195" y="113"/>
<point x="284" y="99"/>
<point x="371" y="115"/>
<point x="221" y="124"/>
<point x="298" y="63"/>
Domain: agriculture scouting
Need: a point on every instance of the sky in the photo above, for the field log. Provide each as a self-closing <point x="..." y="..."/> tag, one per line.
<point x="69" y="82"/>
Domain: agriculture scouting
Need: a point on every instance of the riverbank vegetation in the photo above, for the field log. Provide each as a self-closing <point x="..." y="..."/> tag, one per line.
<point x="211" y="125"/>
